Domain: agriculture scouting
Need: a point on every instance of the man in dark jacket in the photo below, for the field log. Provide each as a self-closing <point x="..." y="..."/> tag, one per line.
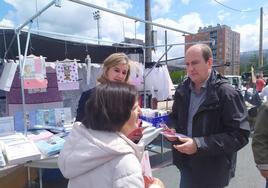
<point x="213" y="116"/>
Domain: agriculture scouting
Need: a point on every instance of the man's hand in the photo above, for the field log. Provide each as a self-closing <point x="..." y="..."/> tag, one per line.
<point x="188" y="146"/>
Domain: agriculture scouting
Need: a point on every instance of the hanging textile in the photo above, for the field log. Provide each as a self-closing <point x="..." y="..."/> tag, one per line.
<point x="19" y="120"/>
<point x="6" y="124"/>
<point x="7" y="75"/>
<point x="34" y="73"/>
<point x="51" y="98"/>
<point x="70" y="98"/>
<point x="88" y="63"/>
<point x="45" y="117"/>
<point x="55" y="117"/>
<point x="136" y="74"/>
<point x="67" y="75"/>
<point x="63" y="116"/>
<point x="160" y="82"/>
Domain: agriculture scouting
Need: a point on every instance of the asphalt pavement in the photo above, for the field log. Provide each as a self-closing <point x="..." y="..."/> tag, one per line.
<point x="246" y="176"/>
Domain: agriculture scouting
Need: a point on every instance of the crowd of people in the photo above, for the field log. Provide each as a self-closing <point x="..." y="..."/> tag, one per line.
<point x="101" y="150"/>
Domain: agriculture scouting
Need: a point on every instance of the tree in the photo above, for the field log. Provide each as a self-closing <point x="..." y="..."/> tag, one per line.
<point x="254" y="61"/>
<point x="177" y="76"/>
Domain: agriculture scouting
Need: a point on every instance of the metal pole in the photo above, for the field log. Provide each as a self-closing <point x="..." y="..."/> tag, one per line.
<point x="126" y="16"/>
<point x="176" y="44"/>
<point x="144" y="80"/>
<point x="261" y="34"/>
<point x="98" y="27"/>
<point x="148" y="32"/>
<point x="135" y="29"/>
<point x="29" y="176"/>
<point x="21" y="81"/>
<point x="21" y="63"/>
<point x="158" y="61"/>
<point x="56" y="2"/>
<point x="26" y="47"/>
<point x="96" y="16"/>
<point x="112" y="42"/>
<point x="166" y="64"/>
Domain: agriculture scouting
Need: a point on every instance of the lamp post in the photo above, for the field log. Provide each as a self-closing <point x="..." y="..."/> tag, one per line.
<point x="135" y="28"/>
<point x="96" y="16"/>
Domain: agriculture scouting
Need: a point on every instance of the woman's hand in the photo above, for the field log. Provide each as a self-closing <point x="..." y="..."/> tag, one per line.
<point x="169" y="133"/>
<point x="264" y="173"/>
<point x="151" y="182"/>
<point x="136" y="134"/>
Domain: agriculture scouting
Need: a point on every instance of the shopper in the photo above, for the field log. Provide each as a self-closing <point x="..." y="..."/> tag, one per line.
<point x="213" y="116"/>
<point x="264" y="93"/>
<point x="260" y="141"/>
<point x="115" y="68"/>
<point x="260" y="83"/>
<point x="97" y="152"/>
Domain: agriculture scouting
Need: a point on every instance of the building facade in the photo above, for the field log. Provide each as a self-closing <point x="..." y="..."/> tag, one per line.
<point x="225" y="48"/>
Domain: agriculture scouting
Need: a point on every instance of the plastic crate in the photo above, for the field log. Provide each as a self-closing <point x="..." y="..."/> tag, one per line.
<point x="156" y="121"/>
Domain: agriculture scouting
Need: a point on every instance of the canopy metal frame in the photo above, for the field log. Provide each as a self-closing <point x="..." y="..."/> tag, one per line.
<point x="57" y="3"/>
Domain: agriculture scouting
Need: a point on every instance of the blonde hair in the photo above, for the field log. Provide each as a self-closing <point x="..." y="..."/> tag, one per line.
<point x="112" y="61"/>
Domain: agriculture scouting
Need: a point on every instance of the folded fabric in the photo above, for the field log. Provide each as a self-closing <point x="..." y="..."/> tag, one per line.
<point x="36" y="135"/>
<point x="67" y="75"/>
<point x="68" y="86"/>
<point x="19" y="120"/>
<point x="7" y="76"/>
<point x="35" y="83"/>
<point x="13" y="108"/>
<point x="50" y="146"/>
<point x="52" y="129"/>
<point x="51" y="95"/>
<point x="6" y="124"/>
<point x="34" y="68"/>
<point x="149" y="134"/>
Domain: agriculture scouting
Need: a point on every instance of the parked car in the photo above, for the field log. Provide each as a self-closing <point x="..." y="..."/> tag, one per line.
<point x="235" y="81"/>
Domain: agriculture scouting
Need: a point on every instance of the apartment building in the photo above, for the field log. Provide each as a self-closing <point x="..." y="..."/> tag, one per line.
<point x="225" y="48"/>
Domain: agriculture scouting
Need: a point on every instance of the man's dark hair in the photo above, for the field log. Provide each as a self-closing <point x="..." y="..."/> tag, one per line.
<point x="109" y="107"/>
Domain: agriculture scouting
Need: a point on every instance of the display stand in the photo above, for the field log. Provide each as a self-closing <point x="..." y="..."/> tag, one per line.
<point x="51" y="163"/>
<point x="46" y="163"/>
<point x="22" y="60"/>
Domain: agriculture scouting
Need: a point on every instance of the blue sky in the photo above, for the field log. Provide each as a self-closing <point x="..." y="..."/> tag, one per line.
<point x="188" y="15"/>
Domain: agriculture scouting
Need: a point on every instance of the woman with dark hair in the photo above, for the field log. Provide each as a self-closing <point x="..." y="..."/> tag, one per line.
<point x="97" y="153"/>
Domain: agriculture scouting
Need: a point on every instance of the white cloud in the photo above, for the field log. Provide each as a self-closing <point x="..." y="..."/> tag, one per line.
<point x="6" y="23"/>
<point x="186" y="2"/>
<point x="120" y="6"/>
<point x="190" y="23"/>
<point x="172" y="38"/>
<point x="249" y="35"/>
<point x="222" y="15"/>
<point x="220" y="1"/>
<point x="76" y="19"/>
<point x="160" y="7"/>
